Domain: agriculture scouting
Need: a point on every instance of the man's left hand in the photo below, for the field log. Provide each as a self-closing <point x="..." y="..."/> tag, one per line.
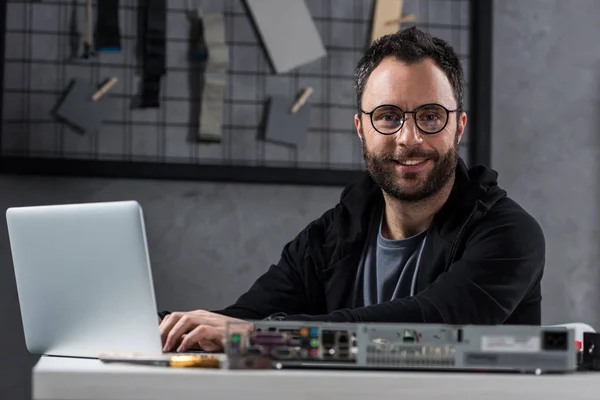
<point x="196" y="328"/>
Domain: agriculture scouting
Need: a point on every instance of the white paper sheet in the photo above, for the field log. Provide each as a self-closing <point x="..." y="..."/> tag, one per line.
<point x="288" y="32"/>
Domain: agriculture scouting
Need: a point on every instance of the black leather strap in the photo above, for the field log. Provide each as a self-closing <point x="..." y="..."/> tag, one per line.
<point x="108" y="36"/>
<point x="199" y="50"/>
<point x="154" y="50"/>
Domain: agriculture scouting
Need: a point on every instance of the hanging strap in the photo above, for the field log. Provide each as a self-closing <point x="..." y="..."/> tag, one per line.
<point x="108" y="36"/>
<point x="154" y="51"/>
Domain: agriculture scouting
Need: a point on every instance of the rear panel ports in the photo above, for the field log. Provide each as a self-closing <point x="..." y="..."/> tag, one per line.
<point x="328" y="338"/>
<point x="328" y="342"/>
<point x="409" y="336"/>
<point x="283" y="353"/>
<point x="343" y="339"/>
<point x="554" y="340"/>
<point x="255" y="351"/>
<point x="343" y="342"/>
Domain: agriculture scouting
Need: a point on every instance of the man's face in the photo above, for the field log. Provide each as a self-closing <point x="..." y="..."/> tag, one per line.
<point x="410" y="165"/>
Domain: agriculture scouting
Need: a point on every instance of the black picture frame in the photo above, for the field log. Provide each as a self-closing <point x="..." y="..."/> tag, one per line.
<point x="479" y="148"/>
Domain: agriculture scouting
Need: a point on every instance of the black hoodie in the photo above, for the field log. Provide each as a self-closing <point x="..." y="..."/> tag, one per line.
<point x="482" y="264"/>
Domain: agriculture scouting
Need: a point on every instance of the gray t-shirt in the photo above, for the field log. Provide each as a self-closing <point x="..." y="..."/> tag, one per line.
<point x="390" y="266"/>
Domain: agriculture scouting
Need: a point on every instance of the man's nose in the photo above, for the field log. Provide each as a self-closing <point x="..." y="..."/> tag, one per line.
<point x="409" y="134"/>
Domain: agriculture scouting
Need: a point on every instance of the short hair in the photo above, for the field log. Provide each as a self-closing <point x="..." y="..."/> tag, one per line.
<point x="411" y="45"/>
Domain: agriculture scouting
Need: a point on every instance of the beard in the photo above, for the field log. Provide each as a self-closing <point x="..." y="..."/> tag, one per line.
<point x="382" y="169"/>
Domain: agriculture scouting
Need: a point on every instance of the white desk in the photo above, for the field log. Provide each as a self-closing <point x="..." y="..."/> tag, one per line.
<point x="72" y="379"/>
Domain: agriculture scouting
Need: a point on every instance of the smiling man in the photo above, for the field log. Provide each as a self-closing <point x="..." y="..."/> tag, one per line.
<point x="421" y="238"/>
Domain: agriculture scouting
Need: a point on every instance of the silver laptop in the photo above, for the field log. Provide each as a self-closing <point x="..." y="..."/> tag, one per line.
<point x="83" y="278"/>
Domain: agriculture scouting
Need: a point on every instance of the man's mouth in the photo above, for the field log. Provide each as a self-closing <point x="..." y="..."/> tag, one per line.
<point x="412" y="161"/>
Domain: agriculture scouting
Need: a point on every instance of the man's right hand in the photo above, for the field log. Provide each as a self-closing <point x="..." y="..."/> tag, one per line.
<point x="199" y="328"/>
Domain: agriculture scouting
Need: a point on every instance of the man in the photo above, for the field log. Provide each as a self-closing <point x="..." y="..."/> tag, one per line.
<point x="420" y="239"/>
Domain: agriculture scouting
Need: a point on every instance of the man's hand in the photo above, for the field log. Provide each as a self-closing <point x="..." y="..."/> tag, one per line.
<point x="198" y="328"/>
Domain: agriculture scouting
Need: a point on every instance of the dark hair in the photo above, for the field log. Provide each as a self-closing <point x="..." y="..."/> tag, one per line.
<point x="410" y="45"/>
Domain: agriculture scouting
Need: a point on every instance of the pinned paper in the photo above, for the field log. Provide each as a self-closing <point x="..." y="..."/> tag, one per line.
<point x="288" y="119"/>
<point x="288" y="32"/>
<point x="85" y="107"/>
<point x="388" y="17"/>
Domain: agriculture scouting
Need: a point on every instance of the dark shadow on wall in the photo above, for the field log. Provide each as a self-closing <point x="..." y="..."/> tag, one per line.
<point x="15" y="361"/>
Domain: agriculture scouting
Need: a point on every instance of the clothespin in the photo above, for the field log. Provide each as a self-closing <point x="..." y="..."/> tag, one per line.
<point x="105" y="88"/>
<point x="302" y="99"/>
<point x="406" y="18"/>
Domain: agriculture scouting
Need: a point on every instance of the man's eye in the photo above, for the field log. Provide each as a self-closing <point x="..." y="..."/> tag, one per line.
<point x="390" y="116"/>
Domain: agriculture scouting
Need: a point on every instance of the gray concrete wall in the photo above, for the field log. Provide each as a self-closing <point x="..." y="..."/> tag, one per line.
<point x="546" y="139"/>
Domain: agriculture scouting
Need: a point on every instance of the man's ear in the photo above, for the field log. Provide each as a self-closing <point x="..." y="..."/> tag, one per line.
<point x="358" y="126"/>
<point x="462" y="124"/>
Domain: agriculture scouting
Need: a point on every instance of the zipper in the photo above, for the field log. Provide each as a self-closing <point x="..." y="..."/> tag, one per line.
<point x="454" y="247"/>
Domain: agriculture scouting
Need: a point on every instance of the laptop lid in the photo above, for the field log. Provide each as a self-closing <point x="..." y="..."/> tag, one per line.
<point x="83" y="278"/>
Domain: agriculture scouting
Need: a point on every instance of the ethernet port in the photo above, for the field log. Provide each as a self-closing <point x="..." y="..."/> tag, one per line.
<point x="343" y="339"/>
<point x="554" y="340"/>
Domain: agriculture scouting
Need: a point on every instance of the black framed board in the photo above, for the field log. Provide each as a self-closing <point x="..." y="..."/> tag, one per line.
<point x="158" y="142"/>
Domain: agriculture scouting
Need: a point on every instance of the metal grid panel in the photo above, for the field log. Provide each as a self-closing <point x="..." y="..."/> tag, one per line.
<point x="38" y="69"/>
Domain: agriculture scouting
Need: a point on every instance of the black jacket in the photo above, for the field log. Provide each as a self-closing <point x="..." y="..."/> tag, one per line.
<point x="483" y="263"/>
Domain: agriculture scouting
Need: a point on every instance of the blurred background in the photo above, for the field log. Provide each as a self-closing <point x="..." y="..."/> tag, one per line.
<point x="223" y="188"/>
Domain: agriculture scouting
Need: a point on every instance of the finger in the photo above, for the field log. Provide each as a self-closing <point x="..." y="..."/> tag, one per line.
<point x="195" y="346"/>
<point x="184" y="325"/>
<point x="210" y="347"/>
<point x="167" y="324"/>
<point x="202" y="334"/>
<point x="206" y="345"/>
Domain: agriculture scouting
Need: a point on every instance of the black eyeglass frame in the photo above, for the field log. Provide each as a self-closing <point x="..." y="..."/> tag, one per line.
<point x="414" y="112"/>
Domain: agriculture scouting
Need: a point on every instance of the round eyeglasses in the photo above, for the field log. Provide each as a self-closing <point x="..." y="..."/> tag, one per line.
<point x="430" y="118"/>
